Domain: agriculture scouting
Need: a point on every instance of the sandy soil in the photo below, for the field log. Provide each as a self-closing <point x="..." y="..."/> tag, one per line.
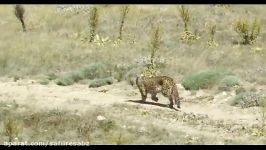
<point x="80" y="97"/>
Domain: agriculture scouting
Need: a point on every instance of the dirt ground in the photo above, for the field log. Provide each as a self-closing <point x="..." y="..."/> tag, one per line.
<point x="80" y="98"/>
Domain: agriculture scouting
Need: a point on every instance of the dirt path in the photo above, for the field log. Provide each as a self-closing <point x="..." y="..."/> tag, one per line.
<point x="79" y="97"/>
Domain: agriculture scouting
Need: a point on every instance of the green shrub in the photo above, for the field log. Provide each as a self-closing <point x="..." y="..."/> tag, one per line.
<point x="119" y="72"/>
<point x="51" y="76"/>
<point x="65" y="80"/>
<point x="227" y="82"/>
<point x="204" y="79"/>
<point x="92" y="71"/>
<point x="95" y="70"/>
<point x="240" y="90"/>
<point x="69" y="78"/>
<point x="131" y="75"/>
<point x="44" y="81"/>
<point x="76" y="76"/>
<point x="101" y="82"/>
<point x="247" y="99"/>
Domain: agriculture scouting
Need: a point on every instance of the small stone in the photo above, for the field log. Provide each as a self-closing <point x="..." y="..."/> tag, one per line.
<point x="224" y="93"/>
<point x="100" y="118"/>
<point x="201" y="94"/>
<point x="142" y="129"/>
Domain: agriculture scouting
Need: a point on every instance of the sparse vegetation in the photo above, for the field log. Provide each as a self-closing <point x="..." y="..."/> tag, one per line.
<point x="101" y="82"/>
<point x="185" y="15"/>
<point x="95" y="70"/>
<point x="153" y="67"/>
<point x="51" y="76"/>
<point x="124" y="11"/>
<point x="212" y="30"/>
<point x="228" y="82"/>
<point x="93" y="21"/>
<point x="131" y="75"/>
<point x="93" y="46"/>
<point x="247" y="31"/>
<point x="65" y="80"/>
<point x="187" y="36"/>
<point x="204" y="79"/>
<point x="65" y="54"/>
<point x="44" y="81"/>
<point x="19" y="12"/>
<point x="240" y="90"/>
<point x="92" y="71"/>
<point x="119" y="73"/>
<point x="263" y="117"/>
<point x="12" y="128"/>
<point x="106" y="126"/>
<point x="247" y="99"/>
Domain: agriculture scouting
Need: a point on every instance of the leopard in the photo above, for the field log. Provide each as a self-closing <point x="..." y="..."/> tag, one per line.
<point x="159" y="84"/>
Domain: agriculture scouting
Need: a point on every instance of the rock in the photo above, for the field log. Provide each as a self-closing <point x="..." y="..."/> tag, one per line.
<point x="180" y="87"/>
<point x="224" y="93"/>
<point x="100" y="118"/>
<point x="221" y="98"/>
<point x="185" y="93"/>
<point x="201" y="94"/>
<point x="142" y="130"/>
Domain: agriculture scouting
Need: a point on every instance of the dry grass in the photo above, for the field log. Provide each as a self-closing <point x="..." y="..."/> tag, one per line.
<point x="52" y="43"/>
<point x="110" y="126"/>
<point x="93" y="21"/>
<point x="57" y="43"/>
<point x="19" y="12"/>
<point x="124" y="11"/>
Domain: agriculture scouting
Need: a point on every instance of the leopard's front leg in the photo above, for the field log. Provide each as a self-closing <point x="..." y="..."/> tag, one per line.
<point x="171" y="105"/>
<point x="153" y="97"/>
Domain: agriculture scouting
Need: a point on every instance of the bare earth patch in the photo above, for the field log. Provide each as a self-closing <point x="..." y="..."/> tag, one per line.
<point x="200" y="114"/>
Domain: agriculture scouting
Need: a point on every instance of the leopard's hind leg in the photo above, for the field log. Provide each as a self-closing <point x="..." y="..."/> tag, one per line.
<point x="141" y="90"/>
<point x="143" y="94"/>
<point x="153" y="97"/>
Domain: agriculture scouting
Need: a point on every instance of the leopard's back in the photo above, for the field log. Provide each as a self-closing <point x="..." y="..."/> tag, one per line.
<point x="156" y="84"/>
<point x="159" y="84"/>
